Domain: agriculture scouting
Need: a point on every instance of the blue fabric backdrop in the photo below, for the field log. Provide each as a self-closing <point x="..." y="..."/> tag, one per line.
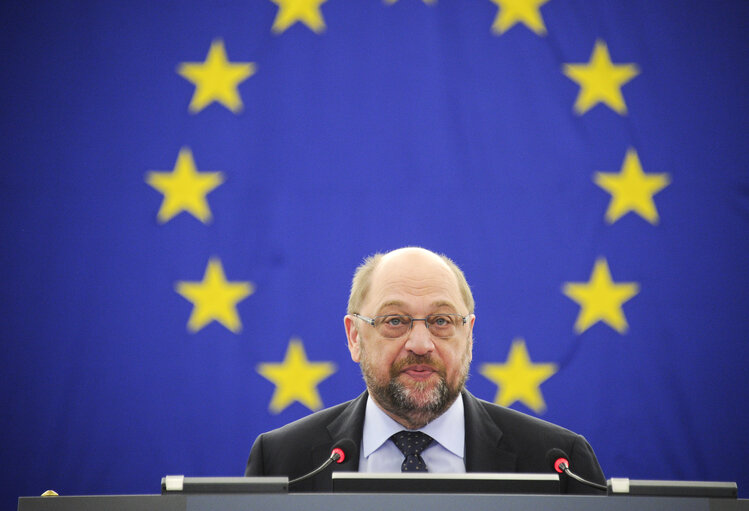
<point x="188" y="186"/>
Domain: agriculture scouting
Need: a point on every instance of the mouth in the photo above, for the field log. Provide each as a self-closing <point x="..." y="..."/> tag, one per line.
<point x="419" y="372"/>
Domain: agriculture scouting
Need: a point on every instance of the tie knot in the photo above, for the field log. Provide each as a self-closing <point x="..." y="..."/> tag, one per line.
<point x="411" y="442"/>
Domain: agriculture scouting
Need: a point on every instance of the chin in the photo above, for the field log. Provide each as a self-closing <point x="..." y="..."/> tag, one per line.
<point x="428" y="394"/>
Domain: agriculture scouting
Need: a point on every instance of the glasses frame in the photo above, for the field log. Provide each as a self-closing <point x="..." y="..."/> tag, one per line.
<point x="371" y="321"/>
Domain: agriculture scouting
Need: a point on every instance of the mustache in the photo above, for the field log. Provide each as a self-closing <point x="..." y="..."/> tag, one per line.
<point x="413" y="359"/>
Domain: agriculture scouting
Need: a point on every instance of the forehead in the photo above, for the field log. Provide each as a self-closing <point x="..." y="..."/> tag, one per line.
<point x="413" y="280"/>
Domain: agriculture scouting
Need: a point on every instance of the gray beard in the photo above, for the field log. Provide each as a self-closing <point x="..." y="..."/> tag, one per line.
<point x="399" y="401"/>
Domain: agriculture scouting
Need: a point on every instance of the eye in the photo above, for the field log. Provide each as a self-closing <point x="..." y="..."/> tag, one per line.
<point x="441" y="320"/>
<point x="393" y="325"/>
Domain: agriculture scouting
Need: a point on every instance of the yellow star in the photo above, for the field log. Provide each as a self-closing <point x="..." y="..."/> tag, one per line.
<point x="184" y="188"/>
<point x="601" y="299"/>
<point x="519" y="379"/>
<point x="215" y="298"/>
<point x="513" y="11"/>
<point x="216" y="79"/>
<point x="631" y="189"/>
<point x="600" y="80"/>
<point x="291" y="11"/>
<point x="296" y="378"/>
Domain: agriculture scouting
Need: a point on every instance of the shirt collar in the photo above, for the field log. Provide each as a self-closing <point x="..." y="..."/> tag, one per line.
<point x="448" y="429"/>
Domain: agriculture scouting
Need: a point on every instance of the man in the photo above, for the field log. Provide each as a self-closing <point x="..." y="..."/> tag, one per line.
<point x="410" y="328"/>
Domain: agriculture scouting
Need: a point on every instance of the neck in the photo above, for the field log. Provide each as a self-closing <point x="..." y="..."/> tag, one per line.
<point x="411" y="419"/>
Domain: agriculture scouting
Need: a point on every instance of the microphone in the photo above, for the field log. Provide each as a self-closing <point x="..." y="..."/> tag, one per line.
<point x="559" y="461"/>
<point x="342" y="451"/>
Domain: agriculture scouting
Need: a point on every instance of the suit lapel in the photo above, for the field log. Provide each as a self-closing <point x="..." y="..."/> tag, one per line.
<point x="483" y="436"/>
<point x="482" y="440"/>
<point x="349" y="425"/>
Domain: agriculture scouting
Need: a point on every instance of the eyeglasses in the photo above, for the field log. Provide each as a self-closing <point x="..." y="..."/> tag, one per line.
<point x="394" y="326"/>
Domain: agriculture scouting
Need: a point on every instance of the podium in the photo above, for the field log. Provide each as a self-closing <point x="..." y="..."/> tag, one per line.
<point x="375" y="502"/>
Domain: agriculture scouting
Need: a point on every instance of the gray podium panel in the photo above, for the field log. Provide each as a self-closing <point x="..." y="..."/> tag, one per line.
<point x="380" y="502"/>
<point x="105" y="502"/>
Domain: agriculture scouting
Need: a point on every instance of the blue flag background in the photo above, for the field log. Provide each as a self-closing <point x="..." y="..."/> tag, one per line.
<point x="187" y="188"/>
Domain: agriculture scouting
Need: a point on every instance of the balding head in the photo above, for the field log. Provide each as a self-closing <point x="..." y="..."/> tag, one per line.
<point x="405" y="260"/>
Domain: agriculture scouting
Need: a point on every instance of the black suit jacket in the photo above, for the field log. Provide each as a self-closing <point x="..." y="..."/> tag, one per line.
<point x="497" y="439"/>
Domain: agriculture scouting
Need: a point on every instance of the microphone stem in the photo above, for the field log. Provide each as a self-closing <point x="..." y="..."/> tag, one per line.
<point x="333" y="457"/>
<point x="584" y="481"/>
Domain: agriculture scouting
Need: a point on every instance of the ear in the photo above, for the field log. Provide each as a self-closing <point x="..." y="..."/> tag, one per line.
<point x="471" y="321"/>
<point x="352" y="333"/>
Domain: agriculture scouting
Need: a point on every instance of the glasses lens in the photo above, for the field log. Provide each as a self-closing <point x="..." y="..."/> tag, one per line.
<point x="443" y="325"/>
<point x="393" y="325"/>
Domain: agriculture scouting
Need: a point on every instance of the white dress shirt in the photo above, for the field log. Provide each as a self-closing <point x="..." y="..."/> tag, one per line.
<point x="445" y="454"/>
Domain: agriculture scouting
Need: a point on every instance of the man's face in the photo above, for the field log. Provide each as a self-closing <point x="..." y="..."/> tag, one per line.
<point x="417" y="377"/>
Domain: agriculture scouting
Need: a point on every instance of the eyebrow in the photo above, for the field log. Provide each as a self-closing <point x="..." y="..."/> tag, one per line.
<point x="391" y="303"/>
<point x="443" y="303"/>
<point x="434" y="305"/>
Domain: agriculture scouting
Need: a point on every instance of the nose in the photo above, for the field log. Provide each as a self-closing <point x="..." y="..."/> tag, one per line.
<point x="419" y="339"/>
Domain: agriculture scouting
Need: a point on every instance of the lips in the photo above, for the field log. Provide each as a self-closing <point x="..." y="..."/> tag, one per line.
<point x="419" y="372"/>
<point x="417" y="367"/>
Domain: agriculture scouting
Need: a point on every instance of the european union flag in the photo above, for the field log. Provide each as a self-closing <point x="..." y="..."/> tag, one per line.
<point x="188" y="186"/>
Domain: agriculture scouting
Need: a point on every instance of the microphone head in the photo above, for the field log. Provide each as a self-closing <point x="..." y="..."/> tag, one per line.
<point x="556" y="458"/>
<point x="345" y="449"/>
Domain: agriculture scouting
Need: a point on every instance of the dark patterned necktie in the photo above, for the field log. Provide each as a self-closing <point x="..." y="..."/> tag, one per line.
<point x="411" y="444"/>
